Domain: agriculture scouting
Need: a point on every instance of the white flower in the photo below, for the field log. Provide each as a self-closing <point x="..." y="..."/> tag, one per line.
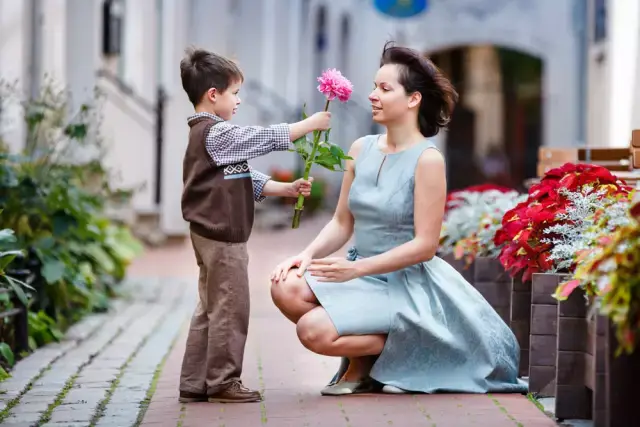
<point x="471" y="212"/>
<point x="577" y="233"/>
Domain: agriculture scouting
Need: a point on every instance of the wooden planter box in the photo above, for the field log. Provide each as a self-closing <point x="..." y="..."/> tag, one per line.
<point x="520" y="320"/>
<point x="620" y="384"/>
<point x="593" y="383"/>
<point x="574" y="359"/>
<point x="494" y="283"/>
<point x="543" y="334"/>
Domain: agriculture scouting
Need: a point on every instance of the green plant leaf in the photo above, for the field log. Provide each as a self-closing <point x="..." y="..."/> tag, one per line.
<point x="53" y="271"/>
<point x="3" y="376"/>
<point x="76" y="131"/>
<point x="7" y="235"/>
<point x="17" y="288"/>
<point x="7" y="353"/>
<point x="7" y="258"/>
<point x="101" y="257"/>
<point x="62" y="223"/>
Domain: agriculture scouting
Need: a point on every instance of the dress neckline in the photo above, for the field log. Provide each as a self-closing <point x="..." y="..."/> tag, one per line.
<point x="379" y="150"/>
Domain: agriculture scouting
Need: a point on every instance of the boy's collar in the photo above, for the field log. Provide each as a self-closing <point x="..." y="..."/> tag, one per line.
<point x="204" y="115"/>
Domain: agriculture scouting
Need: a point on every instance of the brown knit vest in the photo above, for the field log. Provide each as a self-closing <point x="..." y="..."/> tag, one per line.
<point x="217" y="201"/>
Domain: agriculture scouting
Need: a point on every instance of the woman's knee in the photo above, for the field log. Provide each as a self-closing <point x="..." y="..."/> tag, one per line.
<point x="316" y="331"/>
<point x="289" y="291"/>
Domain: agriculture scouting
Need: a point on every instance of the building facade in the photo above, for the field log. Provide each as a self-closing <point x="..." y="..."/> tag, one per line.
<point x="131" y="49"/>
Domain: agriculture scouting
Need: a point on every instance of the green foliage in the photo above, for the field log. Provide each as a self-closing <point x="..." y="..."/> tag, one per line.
<point x="53" y="198"/>
<point x="328" y="155"/>
<point x="7" y="353"/>
<point x="42" y="330"/>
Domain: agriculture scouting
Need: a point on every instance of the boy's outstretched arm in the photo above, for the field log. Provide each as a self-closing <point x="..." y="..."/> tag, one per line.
<point x="229" y="144"/>
<point x="264" y="186"/>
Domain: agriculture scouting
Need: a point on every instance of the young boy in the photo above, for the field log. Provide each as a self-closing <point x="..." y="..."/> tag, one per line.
<point x="218" y="201"/>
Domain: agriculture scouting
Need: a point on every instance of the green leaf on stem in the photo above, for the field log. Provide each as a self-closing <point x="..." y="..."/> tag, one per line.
<point x="303" y="147"/>
<point x="330" y="156"/>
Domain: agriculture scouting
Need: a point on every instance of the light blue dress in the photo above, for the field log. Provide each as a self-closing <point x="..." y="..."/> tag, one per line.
<point x="442" y="334"/>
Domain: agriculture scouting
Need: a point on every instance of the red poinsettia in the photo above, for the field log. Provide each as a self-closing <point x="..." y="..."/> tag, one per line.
<point x="481" y="188"/>
<point x="523" y="227"/>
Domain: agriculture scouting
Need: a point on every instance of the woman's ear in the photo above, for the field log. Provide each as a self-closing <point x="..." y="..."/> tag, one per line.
<point x="415" y="99"/>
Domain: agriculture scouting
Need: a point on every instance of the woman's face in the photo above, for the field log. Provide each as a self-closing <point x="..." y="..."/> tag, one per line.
<point x="389" y="101"/>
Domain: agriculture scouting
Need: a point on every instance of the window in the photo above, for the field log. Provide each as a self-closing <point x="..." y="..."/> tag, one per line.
<point x="599" y="20"/>
<point x="112" y="15"/>
<point x="345" y="43"/>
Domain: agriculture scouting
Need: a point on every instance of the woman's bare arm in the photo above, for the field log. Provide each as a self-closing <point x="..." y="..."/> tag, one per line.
<point x="429" y="200"/>
<point x="338" y="231"/>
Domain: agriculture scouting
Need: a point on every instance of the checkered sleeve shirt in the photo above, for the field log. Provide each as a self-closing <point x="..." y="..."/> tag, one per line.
<point x="259" y="181"/>
<point x="229" y="144"/>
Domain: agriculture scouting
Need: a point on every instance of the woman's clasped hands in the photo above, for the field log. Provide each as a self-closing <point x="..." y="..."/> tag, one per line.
<point x="332" y="269"/>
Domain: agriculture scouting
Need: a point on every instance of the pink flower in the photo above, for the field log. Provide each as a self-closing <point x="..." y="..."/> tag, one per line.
<point x="334" y="85"/>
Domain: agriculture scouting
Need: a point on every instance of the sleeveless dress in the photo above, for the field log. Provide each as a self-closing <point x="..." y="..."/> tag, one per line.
<point x="442" y="335"/>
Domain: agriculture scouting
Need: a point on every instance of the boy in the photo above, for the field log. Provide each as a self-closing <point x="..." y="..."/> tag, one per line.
<point x="218" y="201"/>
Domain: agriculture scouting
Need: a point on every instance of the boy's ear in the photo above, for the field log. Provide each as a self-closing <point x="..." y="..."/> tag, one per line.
<point x="212" y="94"/>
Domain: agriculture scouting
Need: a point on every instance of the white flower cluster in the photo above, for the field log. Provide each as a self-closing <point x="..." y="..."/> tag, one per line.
<point x="577" y="231"/>
<point x="470" y="211"/>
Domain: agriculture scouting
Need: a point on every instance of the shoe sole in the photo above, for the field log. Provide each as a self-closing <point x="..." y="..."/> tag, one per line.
<point x="191" y="399"/>
<point x="247" y="400"/>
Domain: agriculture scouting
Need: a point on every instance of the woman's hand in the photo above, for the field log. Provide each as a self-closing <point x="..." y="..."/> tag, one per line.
<point x="334" y="269"/>
<point x="300" y="261"/>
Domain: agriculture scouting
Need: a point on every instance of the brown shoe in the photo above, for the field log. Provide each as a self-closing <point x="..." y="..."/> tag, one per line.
<point x="235" y="393"/>
<point x="188" y="397"/>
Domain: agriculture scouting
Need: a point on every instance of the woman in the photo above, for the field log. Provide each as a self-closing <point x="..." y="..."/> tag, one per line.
<point x="400" y="317"/>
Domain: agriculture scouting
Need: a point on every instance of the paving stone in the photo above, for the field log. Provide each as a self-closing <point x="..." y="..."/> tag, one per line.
<point x="69" y="363"/>
<point x="121" y="421"/>
<point x="31" y="418"/>
<point x="64" y="424"/>
<point x="15" y="423"/>
<point x="30" y="408"/>
<point x="75" y="416"/>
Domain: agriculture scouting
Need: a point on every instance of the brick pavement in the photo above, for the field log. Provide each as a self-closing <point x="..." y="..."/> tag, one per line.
<point x="291" y="377"/>
<point x="99" y="374"/>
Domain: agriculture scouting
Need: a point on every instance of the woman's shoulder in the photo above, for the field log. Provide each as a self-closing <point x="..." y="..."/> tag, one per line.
<point x="362" y="145"/>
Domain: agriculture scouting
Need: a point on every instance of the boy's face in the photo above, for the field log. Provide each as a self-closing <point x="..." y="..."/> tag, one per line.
<point x="225" y="104"/>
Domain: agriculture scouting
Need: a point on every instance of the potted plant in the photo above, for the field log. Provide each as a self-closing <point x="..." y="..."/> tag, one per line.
<point x="479" y="249"/>
<point x="465" y="210"/>
<point x="529" y="234"/>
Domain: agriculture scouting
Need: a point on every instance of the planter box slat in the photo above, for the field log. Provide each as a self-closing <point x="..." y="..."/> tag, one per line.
<point x="622" y="378"/>
<point x="573" y="398"/>
<point x="544" y="333"/>
<point x="520" y="320"/>
<point x="597" y="327"/>
<point x="494" y="283"/>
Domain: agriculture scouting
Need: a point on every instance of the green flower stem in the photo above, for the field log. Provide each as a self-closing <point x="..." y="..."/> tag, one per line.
<point x="297" y="213"/>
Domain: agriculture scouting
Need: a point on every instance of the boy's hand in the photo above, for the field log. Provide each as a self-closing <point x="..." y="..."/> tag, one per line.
<point x="300" y="186"/>
<point x="321" y="120"/>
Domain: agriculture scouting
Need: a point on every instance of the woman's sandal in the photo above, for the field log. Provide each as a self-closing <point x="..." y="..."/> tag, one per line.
<point x="391" y="389"/>
<point x="342" y="388"/>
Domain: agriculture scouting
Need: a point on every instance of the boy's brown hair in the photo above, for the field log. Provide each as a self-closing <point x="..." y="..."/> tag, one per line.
<point x="202" y="70"/>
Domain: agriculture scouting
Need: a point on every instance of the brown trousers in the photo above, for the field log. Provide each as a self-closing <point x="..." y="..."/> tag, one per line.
<point x="218" y="332"/>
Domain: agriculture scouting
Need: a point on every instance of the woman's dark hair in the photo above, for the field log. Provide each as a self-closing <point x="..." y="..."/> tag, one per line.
<point x="419" y="74"/>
